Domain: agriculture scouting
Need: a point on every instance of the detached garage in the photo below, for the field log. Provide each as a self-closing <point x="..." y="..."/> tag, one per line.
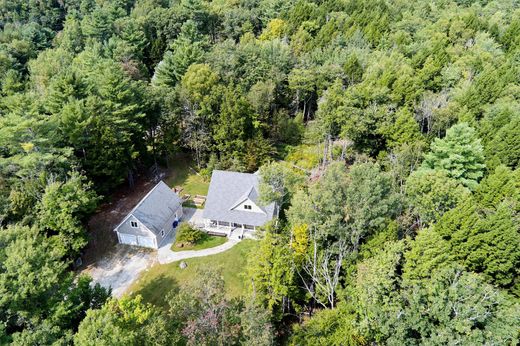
<point x="152" y="219"/>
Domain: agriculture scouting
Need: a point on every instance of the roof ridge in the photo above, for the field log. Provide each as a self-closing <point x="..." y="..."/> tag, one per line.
<point x="146" y="196"/>
<point x="235" y="172"/>
<point x="242" y="198"/>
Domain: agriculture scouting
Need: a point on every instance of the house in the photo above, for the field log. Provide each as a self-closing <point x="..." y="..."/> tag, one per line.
<point x="232" y="203"/>
<point x="152" y="219"/>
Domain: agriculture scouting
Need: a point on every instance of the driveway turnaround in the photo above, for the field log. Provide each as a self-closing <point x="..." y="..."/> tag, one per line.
<point x="166" y="255"/>
<point x="121" y="267"/>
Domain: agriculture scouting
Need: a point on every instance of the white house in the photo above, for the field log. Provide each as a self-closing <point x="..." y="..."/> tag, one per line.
<point x="232" y="203"/>
<point x="152" y="219"/>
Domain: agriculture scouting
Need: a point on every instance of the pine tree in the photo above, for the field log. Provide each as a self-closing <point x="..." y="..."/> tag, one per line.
<point x="459" y="155"/>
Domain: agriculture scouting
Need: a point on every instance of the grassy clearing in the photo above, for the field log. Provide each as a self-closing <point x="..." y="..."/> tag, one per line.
<point x="208" y="241"/>
<point x="183" y="174"/>
<point x="305" y="156"/>
<point x="155" y="283"/>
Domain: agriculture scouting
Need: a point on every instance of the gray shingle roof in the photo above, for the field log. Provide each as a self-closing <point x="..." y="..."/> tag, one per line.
<point x="229" y="189"/>
<point x="155" y="208"/>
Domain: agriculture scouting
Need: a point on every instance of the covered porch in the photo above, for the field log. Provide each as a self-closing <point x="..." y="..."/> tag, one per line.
<point x="230" y="229"/>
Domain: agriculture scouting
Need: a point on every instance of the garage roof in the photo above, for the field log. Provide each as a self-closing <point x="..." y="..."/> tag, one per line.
<point x="154" y="210"/>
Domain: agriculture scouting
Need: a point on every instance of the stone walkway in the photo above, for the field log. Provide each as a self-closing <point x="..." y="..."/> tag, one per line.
<point x="166" y="255"/>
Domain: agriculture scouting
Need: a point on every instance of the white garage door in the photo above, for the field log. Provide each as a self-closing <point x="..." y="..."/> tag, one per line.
<point x="127" y="239"/>
<point x="146" y="242"/>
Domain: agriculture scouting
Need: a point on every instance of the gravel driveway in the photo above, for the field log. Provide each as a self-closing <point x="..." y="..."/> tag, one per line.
<point x="121" y="267"/>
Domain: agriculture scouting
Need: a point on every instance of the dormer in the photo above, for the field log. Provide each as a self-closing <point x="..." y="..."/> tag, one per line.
<point x="247" y="203"/>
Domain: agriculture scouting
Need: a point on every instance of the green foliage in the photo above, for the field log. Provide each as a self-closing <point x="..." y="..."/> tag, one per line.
<point x="329" y="327"/>
<point x="108" y="88"/>
<point x="484" y="242"/>
<point x="369" y="200"/>
<point x="126" y="321"/>
<point x="272" y="276"/>
<point x="187" y="235"/>
<point x="431" y="193"/>
<point x="62" y="209"/>
<point x="187" y="49"/>
<point x="453" y="306"/>
<point x="32" y="271"/>
<point x="459" y="155"/>
<point x="277" y="183"/>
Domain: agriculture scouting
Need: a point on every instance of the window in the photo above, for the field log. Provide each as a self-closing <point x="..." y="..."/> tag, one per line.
<point x="162" y="233"/>
<point x="133" y="224"/>
<point x="247" y="207"/>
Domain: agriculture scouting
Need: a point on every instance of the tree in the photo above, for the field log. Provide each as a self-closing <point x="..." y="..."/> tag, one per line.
<point x="277" y="183"/>
<point x="370" y="201"/>
<point x="322" y="206"/>
<point x="186" y="50"/>
<point x="276" y="28"/>
<point x="126" y="321"/>
<point x="483" y="241"/>
<point x="329" y="327"/>
<point x="62" y="209"/>
<point x="204" y="316"/>
<point x="272" y="277"/>
<point x="199" y="90"/>
<point x="234" y="124"/>
<point x="431" y="193"/>
<point x="32" y="271"/>
<point x="40" y="300"/>
<point x="187" y="235"/>
<point x="501" y="185"/>
<point x="458" y="307"/>
<point x="459" y="155"/>
<point x="453" y="306"/>
<point x="256" y="325"/>
<point x="503" y="148"/>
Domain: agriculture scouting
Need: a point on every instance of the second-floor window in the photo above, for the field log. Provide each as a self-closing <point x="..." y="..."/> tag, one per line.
<point x="133" y="224"/>
<point x="247" y="207"/>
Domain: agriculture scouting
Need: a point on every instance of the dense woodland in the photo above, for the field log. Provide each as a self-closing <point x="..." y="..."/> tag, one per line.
<point x="387" y="131"/>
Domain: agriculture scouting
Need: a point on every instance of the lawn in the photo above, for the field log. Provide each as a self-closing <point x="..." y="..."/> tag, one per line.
<point x="208" y="241"/>
<point x="183" y="174"/>
<point x="154" y="283"/>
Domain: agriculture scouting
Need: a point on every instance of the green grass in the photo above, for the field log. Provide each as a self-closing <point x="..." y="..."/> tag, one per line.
<point x="184" y="174"/>
<point x="304" y="156"/>
<point x="157" y="281"/>
<point x="208" y="241"/>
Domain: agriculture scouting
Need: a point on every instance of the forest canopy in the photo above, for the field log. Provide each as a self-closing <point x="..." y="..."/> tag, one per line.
<point x="388" y="132"/>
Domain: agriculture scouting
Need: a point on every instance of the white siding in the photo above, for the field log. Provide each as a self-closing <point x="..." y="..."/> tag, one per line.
<point x="254" y="207"/>
<point x="146" y="242"/>
<point x="127" y="238"/>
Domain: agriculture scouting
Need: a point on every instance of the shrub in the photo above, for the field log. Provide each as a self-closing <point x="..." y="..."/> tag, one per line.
<point x="187" y="235"/>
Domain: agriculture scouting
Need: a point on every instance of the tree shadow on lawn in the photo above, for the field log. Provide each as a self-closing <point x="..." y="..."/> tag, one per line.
<point x="156" y="290"/>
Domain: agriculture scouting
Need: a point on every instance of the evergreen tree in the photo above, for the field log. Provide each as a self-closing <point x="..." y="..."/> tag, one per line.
<point x="186" y="50"/>
<point x="459" y="155"/>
